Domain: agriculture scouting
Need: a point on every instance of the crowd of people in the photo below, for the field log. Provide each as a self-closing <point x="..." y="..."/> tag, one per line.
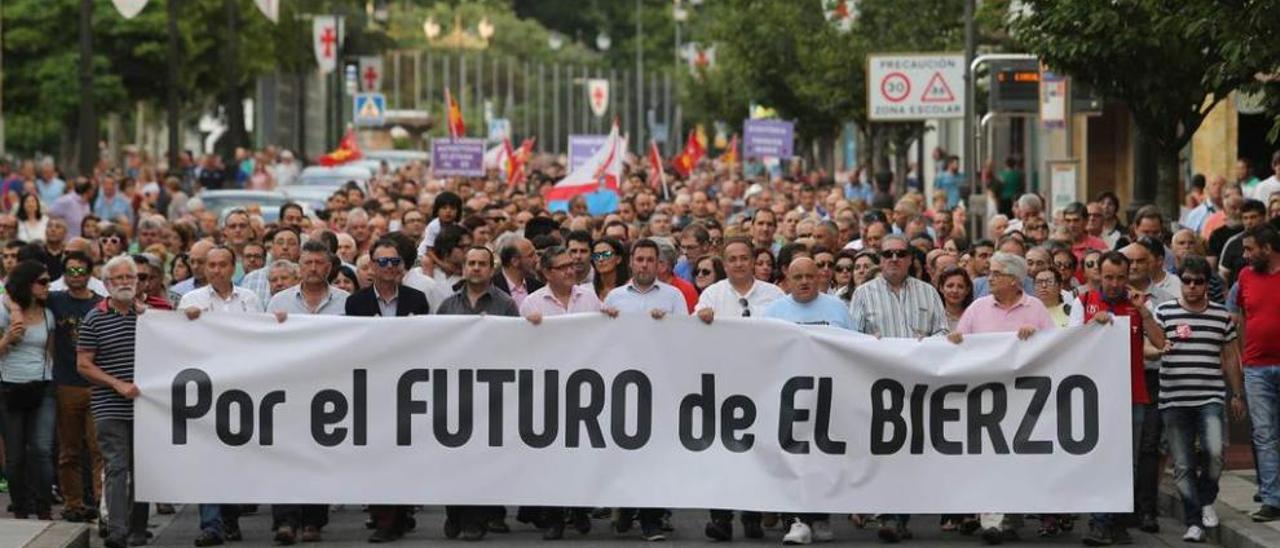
<point x="84" y="256"/>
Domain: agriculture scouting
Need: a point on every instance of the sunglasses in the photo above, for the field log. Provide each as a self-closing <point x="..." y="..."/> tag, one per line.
<point x="602" y="256"/>
<point x="746" y="307"/>
<point x="1194" y="280"/>
<point x="44" y="280"/>
<point x="824" y="264"/>
<point x="109" y="240"/>
<point x="895" y="253"/>
<point x="387" y="262"/>
<point x="844" y="269"/>
<point x="77" y="271"/>
<point x="706" y="272"/>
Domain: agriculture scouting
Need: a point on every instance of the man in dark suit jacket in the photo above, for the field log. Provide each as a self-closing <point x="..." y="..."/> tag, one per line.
<point x="388" y="297"/>
<point x="519" y="267"/>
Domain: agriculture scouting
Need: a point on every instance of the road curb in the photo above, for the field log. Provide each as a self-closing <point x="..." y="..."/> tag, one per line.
<point x="1235" y="502"/>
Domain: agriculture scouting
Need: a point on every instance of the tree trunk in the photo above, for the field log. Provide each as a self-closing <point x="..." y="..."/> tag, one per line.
<point x="1168" y="182"/>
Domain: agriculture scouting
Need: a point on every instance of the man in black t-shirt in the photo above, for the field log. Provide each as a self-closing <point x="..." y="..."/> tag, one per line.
<point x="74" y="423"/>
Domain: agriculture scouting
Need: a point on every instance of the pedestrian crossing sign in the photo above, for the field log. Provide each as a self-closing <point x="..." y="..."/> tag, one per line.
<point x="370" y="109"/>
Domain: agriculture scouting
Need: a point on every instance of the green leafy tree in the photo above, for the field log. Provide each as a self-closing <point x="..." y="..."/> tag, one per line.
<point x="1169" y="62"/>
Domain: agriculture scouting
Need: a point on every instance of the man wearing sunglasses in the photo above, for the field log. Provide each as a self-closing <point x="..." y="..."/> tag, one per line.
<point x="388" y="297"/>
<point x="1200" y="357"/>
<point x="896" y="305"/>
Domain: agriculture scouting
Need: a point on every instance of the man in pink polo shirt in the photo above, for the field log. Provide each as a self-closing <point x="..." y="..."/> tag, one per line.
<point x="1006" y="309"/>
<point x="562" y="295"/>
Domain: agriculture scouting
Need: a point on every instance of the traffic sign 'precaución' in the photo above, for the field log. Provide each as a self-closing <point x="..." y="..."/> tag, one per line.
<point x="370" y="109"/>
<point x="915" y="86"/>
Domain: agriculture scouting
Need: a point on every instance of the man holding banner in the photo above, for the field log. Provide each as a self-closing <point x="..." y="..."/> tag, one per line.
<point x="477" y="297"/>
<point x="1006" y="309"/>
<point x="1116" y="298"/>
<point x="896" y="305"/>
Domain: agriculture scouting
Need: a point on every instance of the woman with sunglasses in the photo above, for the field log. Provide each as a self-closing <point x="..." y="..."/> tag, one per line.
<point x="26" y="393"/>
<point x="609" y="259"/>
<point x="1064" y="261"/>
<point x="866" y="264"/>
<point x="956" y="290"/>
<point x="708" y="270"/>
<point x="842" y="273"/>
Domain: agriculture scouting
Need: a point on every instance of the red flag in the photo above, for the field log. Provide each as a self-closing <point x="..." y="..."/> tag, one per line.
<point x="457" y="128"/>
<point x="694" y="150"/>
<point x="657" y="176"/>
<point x="348" y="150"/>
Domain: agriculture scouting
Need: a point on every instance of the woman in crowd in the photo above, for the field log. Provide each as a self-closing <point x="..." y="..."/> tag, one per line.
<point x="31" y="219"/>
<point x="957" y="292"/>
<point x="708" y="270"/>
<point x="1049" y="290"/>
<point x="1064" y="261"/>
<point x="27" y="392"/>
<point x="345" y="279"/>
<point x="180" y="269"/>
<point x="764" y="266"/>
<point x="609" y="259"/>
<point x="842" y="273"/>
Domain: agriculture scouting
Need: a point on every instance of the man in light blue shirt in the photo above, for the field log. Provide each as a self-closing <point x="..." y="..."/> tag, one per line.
<point x="950" y="181"/>
<point x="111" y="203"/>
<point x="644" y="294"/>
<point x="806" y="305"/>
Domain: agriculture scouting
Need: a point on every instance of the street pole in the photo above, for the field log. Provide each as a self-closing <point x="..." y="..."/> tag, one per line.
<point x="235" y="104"/>
<point x="2" y="144"/>
<point x="639" y="43"/>
<point x="88" y="119"/>
<point x="171" y="94"/>
<point x="969" y="152"/>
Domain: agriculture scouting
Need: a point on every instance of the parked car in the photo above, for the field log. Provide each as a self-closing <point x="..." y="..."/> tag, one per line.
<point x="267" y="202"/>
<point x="316" y="183"/>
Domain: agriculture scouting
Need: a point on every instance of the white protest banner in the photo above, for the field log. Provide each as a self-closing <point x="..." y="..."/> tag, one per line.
<point x="749" y="414"/>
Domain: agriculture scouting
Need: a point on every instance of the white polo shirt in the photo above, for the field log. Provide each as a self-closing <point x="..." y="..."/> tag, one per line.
<point x="205" y="299"/>
<point x="727" y="302"/>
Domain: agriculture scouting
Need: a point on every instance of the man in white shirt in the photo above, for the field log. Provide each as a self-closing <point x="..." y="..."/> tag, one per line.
<point x="739" y="294"/>
<point x="1271" y="185"/>
<point x="220" y="295"/>
<point x="219" y="522"/>
<point x="644" y="294"/>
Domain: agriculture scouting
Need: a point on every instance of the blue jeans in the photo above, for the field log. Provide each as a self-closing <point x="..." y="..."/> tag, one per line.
<point x="28" y="448"/>
<point x="215" y="518"/>
<point x="1262" y="391"/>
<point x="1139" y="412"/>
<point x="1197" y="485"/>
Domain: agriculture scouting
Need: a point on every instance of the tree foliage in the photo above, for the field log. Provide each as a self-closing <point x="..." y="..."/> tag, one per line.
<point x="1169" y="62"/>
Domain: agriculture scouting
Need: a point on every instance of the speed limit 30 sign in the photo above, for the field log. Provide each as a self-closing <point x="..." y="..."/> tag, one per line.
<point x="915" y="86"/>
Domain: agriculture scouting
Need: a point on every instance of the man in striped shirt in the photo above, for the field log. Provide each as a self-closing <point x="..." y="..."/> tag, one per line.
<point x="105" y="357"/>
<point x="1201" y="348"/>
<point x="896" y="305"/>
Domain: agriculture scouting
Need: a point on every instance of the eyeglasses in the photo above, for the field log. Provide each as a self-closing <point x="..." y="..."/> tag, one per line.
<point x="77" y="271"/>
<point x="746" y="307"/>
<point x="895" y="253"/>
<point x="561" y="267"/>
<point x="43" y="280"/>
<point x="1193" y="280"/>
<point x="705" y="272"/>
<point x="602" y="256"/>
<point x="387" y="262"/>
